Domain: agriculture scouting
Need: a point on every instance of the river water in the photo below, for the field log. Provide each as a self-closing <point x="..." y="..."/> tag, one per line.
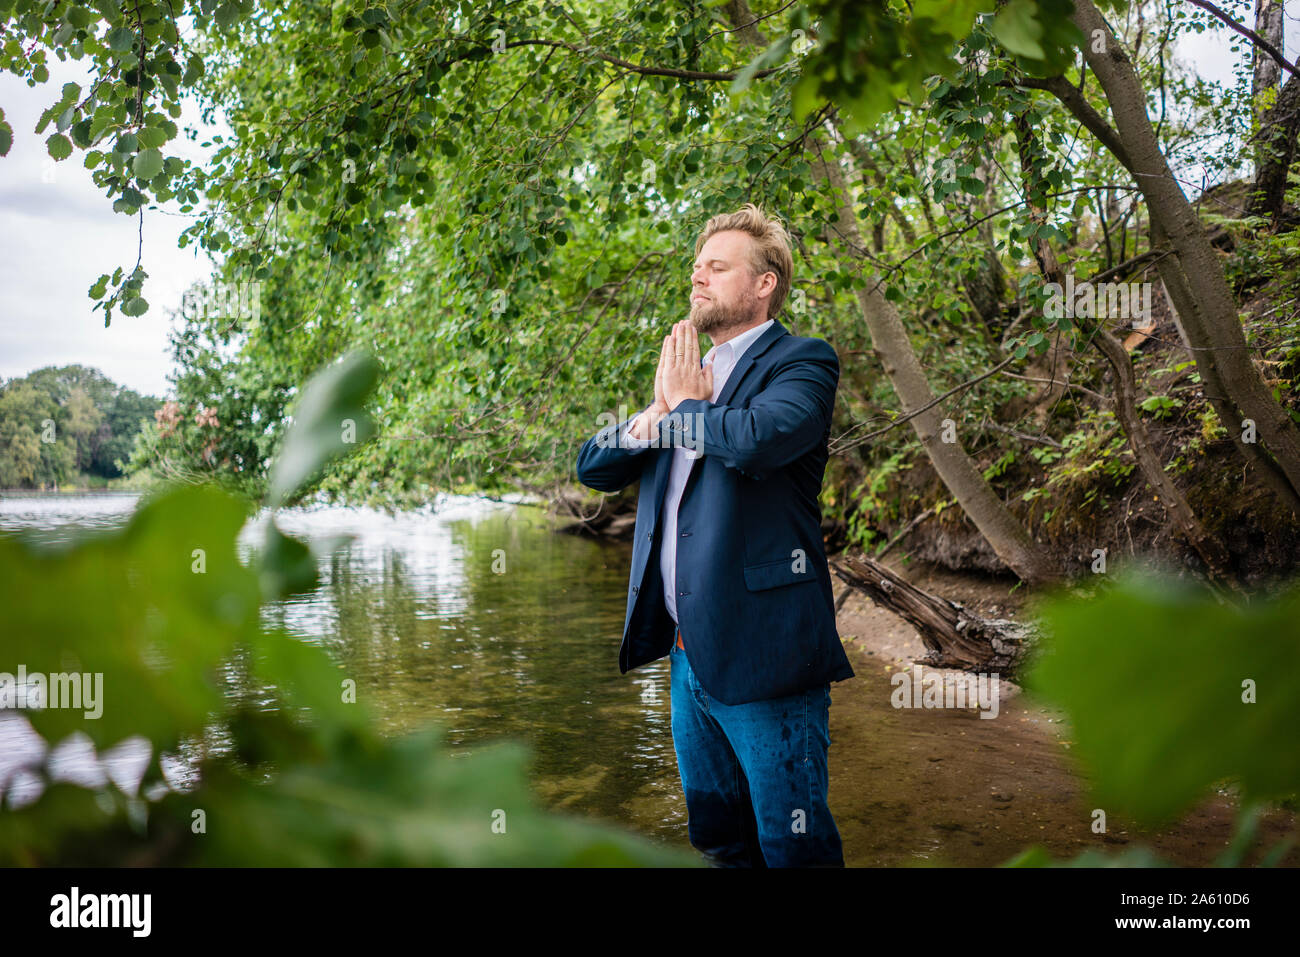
<point x="480" y="617"/>
<point x="476" y="615"/>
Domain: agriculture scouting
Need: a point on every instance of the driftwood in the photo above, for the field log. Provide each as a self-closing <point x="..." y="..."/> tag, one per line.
<point x="953" y="636"/>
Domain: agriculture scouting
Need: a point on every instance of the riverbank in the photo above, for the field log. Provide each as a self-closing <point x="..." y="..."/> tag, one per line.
<point x="959" y="789"/>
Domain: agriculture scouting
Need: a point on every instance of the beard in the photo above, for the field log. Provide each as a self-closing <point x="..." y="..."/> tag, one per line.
<point x="716" y="316"/>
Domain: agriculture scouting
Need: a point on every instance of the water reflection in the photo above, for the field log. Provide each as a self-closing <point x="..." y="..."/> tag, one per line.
<point x="472" y="614"/>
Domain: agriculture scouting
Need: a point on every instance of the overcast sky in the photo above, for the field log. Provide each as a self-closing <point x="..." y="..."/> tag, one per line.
<point x="58" y="233"/>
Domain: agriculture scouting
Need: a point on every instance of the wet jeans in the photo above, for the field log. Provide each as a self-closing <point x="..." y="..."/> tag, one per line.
<point x="754" y="775"/>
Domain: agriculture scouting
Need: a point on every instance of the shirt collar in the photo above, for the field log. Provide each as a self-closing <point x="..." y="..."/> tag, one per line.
<point x="740" y="343"/>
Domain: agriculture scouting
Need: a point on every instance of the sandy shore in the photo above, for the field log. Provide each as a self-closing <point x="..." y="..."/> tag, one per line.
<point x="944" y="786"/>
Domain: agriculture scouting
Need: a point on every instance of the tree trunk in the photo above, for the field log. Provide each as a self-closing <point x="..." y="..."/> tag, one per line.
<point x="953" y="637"/>
<point x="1123" y="404"/>
<point x="1210" y="317"/>
<point x="1267" y="71"/>
<point x="986" y="290"/>
<point x="1180" y="513"/>
<point x="1182" y="301"/>
<point x="1008" y="538"/>
<point x="612" y="516"/>
<point x="1274" y="145"/>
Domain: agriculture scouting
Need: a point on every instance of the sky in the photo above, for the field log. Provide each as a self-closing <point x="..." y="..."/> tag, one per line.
<point x="58" y="233"/>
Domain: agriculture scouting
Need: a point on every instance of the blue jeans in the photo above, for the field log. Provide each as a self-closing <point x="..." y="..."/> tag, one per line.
<point x="754" y="775"/>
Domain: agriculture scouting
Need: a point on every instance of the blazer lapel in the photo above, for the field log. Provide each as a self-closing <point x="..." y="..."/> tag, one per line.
<point x="746" y="362"/>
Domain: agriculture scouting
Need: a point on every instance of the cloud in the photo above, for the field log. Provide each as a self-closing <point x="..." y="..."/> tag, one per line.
<point x="58" y="233"/>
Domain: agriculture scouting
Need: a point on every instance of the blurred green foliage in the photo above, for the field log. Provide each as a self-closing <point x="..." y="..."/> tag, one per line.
<point x="1171" y="693"/>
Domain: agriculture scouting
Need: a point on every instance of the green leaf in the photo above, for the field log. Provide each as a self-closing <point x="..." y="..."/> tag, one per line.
<point x="81" y="133"/>
<point x="772" y="55"/>
<point x="287" y="565"/>
<point x="170" y="580"/>
<point x="135" y="307"/>
<point x="147" y="164"/>
<point x="193" y="69"/>
<point x="1017" y="28"/>
<point x="59" y="146"/>
<point x="151" y="137"/>
<point x="1169" y="692"/>
<point x="227" y="15"/>
<point x="121" y="39"/>
<point x="329" y="421"/>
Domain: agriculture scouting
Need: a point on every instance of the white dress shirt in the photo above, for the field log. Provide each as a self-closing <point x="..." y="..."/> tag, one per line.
<point x="723" y="358"/>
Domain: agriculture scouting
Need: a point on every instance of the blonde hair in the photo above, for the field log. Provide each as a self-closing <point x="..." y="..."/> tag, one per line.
<point x="769" y="252"/>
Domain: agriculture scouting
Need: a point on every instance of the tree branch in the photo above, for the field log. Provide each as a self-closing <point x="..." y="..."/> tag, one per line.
<point x="1249" y="34"/>
<point x="1083" y="111"/>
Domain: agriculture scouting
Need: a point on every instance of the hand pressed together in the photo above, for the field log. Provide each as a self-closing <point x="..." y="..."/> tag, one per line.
<point x="679" y="376"/>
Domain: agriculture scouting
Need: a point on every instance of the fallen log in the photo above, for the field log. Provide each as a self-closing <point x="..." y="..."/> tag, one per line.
<point x="953" y="636"/>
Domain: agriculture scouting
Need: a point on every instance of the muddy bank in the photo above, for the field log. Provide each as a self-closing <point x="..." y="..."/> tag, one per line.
<point x="944" y="786"/>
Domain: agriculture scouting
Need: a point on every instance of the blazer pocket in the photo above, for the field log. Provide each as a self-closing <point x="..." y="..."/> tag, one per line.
<point x="780" y="572"/>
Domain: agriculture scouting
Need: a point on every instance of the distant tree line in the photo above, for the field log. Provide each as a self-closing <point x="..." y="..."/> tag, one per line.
<point x="59" y="424"/>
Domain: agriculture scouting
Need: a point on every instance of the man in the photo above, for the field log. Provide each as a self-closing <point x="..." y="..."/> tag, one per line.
<point x="729" y="575"/>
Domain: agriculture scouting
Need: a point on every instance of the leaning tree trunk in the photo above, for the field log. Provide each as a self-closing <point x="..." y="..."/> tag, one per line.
<point x="999" y="527"/>
<point x="1180" y="513"/>
<point x="1182" y="301"/>
<point x="1210" y="317"/>
<point x="953" y="637"/>
<point x="1008" y="538"/>
<point x="1123" y="403"/>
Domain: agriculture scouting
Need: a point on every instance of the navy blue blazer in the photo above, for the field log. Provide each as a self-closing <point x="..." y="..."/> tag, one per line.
<point x="754" y="597"/>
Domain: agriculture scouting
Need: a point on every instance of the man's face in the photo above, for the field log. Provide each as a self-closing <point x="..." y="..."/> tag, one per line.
<point x="724" y="291"/>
